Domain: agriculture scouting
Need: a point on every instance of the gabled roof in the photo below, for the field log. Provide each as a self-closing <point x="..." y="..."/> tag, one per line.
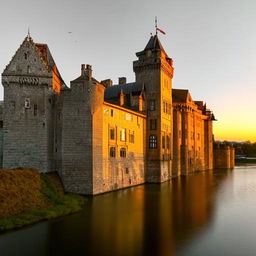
<point x="179" y="95"/>
<point x="115" y="90"/>
<point x="43" y="61"/>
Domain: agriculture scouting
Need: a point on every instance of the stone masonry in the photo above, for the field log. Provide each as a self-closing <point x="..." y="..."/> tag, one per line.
<point x="98" y="136"/>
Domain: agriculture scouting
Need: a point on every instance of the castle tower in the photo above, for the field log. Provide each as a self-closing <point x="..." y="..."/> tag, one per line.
<point x="82" y="135"/>
<point x="154" y="69"/>
<point x="31" y="85"/>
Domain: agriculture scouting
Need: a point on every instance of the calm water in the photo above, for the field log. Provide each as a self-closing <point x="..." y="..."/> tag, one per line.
<point x="205" y="214"/>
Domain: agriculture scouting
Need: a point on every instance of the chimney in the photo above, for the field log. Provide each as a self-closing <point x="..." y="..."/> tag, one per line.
<point x="82" y="69"/>
<point x="122" y="80"/>
<point x="88" y="71"/>
<point x="107" y="83"/>
<point x="121" y="98"/>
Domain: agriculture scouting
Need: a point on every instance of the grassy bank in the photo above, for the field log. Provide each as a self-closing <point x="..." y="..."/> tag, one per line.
<point x="28" y="197"/>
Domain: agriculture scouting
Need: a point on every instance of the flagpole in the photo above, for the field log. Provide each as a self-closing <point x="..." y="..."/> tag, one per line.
<point x="156" y="24"/>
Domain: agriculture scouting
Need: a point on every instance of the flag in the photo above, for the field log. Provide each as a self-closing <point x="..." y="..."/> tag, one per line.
<point x="160" y="30"/>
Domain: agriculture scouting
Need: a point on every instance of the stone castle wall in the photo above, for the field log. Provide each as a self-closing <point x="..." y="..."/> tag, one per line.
<point x="49" y="126"/>
<point x="28" y="130"/>
<point x="224" y="156"/>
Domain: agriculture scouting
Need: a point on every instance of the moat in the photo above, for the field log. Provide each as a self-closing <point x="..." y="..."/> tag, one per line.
<point x="207" y="213"/>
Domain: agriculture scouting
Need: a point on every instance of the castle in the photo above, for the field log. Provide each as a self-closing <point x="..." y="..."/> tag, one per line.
<point x="98" y="136"/>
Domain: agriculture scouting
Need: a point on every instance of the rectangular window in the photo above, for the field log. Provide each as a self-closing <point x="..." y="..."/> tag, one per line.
<point x="127" y="170"/>
<point x="153" y="124"/>
<point x="168" y="142"/>
<point x="152" y="141"/>
<point x="131" y="137"/>
<point x="27" y="103"/>
<point x="122" y="152"/>
<point x="112" y="133"/>
<point x="112" y="152"/>
<point x="163" y="141"/>
<point x="152" y="105"/>
<point x="111" y="112"/>
<point x="128" y="117"/>
<point x="123" y="134"/>
<point x="35" y="110"/>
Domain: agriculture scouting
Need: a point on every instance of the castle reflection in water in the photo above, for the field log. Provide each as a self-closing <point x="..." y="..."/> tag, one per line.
<point x="144" y="220"/>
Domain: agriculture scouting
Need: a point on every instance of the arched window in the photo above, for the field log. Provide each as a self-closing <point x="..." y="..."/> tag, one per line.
<point x="122" y="152"/>
<point x="112" y="152"/>
<point x="152" y="141"/>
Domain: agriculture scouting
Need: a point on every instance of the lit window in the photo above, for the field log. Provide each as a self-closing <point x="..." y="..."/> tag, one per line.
<point x="112" y="152"/>
<point x="112" y="133"/>
<point x="152" y="105"/>
<point x="122" y="134"/>
<point x="128" y="117"/>
<point x="152" y="141"/>
<point x="122" y="152"/>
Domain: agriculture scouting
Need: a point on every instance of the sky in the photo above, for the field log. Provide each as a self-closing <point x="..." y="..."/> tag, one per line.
<point x="212" y="43"/>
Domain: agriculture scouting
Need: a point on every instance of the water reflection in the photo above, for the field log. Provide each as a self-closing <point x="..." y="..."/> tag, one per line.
<point x="144" y="220"/>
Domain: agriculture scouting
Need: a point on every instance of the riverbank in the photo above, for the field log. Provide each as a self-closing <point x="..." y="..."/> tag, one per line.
<point x="27" y="197"/>
<point x="248" y="160"/>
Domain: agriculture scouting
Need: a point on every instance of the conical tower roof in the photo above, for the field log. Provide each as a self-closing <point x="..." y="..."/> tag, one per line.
<point x="154" y="44"/>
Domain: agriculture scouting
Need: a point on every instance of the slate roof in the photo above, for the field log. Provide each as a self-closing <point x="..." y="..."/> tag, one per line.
<point x="179" y="95"/>
<point x="83" y="77"/>
<point x="44" y="52"/>
<point x="114" y="91"/>
<point x="154" y="43"/>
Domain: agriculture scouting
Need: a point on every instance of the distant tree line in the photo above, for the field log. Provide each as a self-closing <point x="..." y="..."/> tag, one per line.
<point x="246" y="148"/>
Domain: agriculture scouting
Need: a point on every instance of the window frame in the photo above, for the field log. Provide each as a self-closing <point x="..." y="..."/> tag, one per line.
<point x="112" y="152"/>
<point x="122" y="152"/>
<point x="152" y="105"/>
<point x="152" y="141"/>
